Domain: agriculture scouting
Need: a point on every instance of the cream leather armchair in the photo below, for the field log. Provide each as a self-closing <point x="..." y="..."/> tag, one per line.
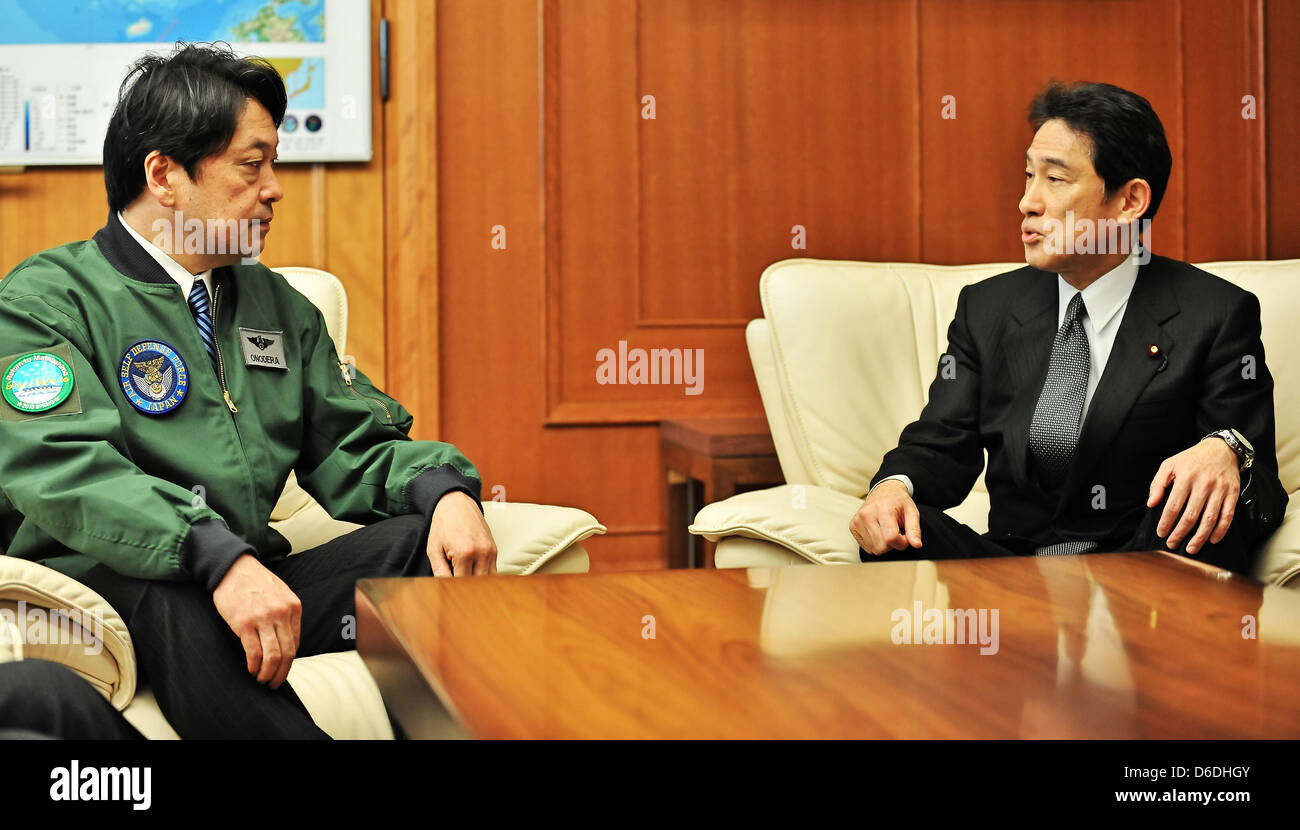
<point x="844" y="356"/>
<point x="336" y="688"/>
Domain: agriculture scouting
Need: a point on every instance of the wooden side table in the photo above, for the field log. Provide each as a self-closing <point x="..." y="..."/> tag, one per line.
<point x="707" y="460"/>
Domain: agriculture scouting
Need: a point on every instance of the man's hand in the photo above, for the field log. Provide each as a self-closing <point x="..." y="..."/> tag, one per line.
<point x="1205" y="480"/>
<point x="266" y="616"/>
<point x="887" y="520"/>
<point x="460" y="543"/>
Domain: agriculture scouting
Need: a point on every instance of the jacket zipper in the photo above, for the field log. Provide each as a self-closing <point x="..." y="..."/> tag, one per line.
<point x="230" y="404"/>
<point x="347" y="378"/>
<point x="221" y="366"/>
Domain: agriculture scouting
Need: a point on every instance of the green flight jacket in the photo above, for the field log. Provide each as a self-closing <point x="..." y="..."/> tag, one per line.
<point x="183" y="494"/>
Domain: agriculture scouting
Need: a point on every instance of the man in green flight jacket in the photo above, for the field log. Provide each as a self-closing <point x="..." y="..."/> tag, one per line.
<point x="157" y="396"/>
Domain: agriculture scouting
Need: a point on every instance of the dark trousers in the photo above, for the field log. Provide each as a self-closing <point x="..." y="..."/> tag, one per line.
<point x="196" y="665"/>
<point x="943" y="537"/>
<point x="40" y="699"/>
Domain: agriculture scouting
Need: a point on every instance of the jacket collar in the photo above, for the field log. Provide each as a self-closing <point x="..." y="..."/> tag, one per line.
<point x="131" y="260"/>
<point x="126" y="255"/>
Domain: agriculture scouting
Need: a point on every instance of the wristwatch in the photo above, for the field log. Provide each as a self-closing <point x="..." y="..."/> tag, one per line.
<point x="1245" y="452"/>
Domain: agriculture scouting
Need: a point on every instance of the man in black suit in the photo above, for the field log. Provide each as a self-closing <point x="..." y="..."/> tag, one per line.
<point x="1123" y="398"/>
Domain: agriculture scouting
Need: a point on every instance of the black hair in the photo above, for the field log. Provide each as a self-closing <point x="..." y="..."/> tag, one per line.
<point x="1128" y="140"/>
<point x="185" y="105"/>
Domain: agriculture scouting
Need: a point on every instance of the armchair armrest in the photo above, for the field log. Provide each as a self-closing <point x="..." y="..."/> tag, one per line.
<point x="530" y="538"/>
<point x="60" y="620"/>
<point x="808" y="520"/>
<point x="1278" y="560"/>
<point x="535" y="537"/>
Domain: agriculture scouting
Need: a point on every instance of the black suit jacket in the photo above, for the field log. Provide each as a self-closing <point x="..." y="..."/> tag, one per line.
<point x="1209" y="374"/>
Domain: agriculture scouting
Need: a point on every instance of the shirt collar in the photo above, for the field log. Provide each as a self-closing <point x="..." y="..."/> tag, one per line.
<point x="173" y="268"/>
<point x="1104" y="296"/>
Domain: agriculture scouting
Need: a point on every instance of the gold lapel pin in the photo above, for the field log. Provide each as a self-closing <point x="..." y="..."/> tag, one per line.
<point x="1154" y="351"/>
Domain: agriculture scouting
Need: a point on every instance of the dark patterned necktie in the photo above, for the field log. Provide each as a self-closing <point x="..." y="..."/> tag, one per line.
<point x="203" y="316"/>
<point x="1054" y="431"/>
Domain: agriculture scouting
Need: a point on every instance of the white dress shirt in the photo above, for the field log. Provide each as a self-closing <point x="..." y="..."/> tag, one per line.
<point x="173" y="268"/>
<point x="1105" y="299"/>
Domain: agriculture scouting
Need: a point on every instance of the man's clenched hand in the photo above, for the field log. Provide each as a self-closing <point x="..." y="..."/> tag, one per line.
<point x="888" y="520"/>
<point x="266" y="616"/>
<point x="460" y="543"/>
<point x="1205" y="480"/>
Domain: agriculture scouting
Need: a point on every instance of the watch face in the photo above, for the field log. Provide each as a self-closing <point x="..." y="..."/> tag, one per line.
<point x="1243" y="440"/>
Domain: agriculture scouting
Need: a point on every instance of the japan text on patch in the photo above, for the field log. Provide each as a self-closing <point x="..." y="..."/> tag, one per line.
<point x="153" y="376"/>
<point x="36" y="382"/>
<point x="263" y="348"/>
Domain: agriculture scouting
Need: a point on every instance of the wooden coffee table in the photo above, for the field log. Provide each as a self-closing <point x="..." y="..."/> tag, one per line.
<point x="1122" y="645"/>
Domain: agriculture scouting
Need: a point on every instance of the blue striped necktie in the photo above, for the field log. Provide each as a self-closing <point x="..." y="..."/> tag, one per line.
<point x="203" y="315"/>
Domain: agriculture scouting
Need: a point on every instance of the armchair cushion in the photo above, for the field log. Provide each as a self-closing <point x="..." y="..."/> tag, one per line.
<point x="49" y="616"/>
<point x="336" y="688"/>
<point x="805" y="519"/>
<point x="809" y="520"/>
<point x="530" y="537"/>
<point x="1278" y="561"/>
<point x="744" y="552"/>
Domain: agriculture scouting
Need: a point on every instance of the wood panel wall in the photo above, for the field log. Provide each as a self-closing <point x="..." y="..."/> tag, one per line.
<point x="526" y="116"/>
<point x="770" y="115"/>
<point x="1282" y="87"/>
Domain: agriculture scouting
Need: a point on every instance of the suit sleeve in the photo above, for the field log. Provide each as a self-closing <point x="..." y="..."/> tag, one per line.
<point x="907" y="482"/>
<point x="940" y="452"/>
<point x="357" y="457"/>
<point x="1237" y="393"/>
<point x="69" y="472"/>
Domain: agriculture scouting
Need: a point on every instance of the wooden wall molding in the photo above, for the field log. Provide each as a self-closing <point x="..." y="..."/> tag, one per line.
<point x="412" y="277"/>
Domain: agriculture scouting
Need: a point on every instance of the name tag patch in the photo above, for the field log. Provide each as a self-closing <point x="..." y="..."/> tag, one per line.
<point x="264" y="349"/>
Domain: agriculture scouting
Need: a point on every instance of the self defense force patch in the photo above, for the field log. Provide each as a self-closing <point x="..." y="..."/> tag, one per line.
<point x="154" y="377"/>
<point x="37" y="382"/>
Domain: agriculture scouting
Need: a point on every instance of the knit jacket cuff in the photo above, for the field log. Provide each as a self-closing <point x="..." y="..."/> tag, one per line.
<point x="424" y="491"/>
<point x="210" y="549"/>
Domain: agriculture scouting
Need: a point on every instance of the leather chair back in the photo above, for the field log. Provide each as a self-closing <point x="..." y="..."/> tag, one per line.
<point x="327" y="293"/>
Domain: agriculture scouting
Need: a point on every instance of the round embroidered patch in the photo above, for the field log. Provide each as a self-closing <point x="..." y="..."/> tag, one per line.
<point x="37" y="382"/>
<point x="154" y="377"/>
